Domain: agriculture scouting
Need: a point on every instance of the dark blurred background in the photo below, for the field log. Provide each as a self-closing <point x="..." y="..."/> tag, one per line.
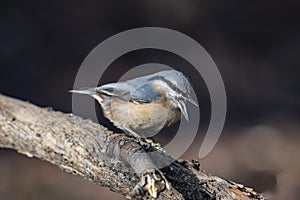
<point x="255" y="45"/>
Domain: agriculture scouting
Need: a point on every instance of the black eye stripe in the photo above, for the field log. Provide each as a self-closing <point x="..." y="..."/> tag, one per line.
<point x="170" y="84"/>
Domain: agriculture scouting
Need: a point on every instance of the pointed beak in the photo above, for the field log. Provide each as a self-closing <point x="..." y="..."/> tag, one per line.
<point x="182" y="107"/>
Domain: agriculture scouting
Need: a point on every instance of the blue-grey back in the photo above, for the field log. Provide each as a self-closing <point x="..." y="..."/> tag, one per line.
<point x="142" y="90"/>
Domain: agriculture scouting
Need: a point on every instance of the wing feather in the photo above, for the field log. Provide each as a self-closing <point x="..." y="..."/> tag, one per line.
<point x="145" y="93"/>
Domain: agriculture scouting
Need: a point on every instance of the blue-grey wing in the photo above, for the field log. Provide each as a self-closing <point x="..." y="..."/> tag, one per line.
<point x="115" y="89"/>
<point x="144" y="93"/>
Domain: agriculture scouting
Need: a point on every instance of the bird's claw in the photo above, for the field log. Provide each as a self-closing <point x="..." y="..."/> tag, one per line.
<point x="147" y="143"/>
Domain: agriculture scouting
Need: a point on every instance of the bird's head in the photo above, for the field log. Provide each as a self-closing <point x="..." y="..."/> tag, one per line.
<point x="176" y="87"/>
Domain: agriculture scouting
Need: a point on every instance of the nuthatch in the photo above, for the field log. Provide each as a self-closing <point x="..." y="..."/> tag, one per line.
<point x="144" y="105"/>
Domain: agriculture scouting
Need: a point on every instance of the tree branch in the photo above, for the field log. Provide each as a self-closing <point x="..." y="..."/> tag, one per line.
<point x="89" y="150"/>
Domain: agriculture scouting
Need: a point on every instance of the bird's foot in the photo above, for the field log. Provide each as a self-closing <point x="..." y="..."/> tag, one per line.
<point x="147" y="143"/>
<point x="154" y="144"/>
<point x="144" y="143"/>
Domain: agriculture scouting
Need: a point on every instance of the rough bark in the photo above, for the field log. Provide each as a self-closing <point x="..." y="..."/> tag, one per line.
<point x="89" y="150"/>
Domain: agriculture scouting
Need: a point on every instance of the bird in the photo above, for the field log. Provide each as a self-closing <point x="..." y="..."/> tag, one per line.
<point x="144" y="105"/>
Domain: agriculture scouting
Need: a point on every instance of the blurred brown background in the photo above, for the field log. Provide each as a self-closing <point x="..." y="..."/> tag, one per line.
<point x="255" y="44"/>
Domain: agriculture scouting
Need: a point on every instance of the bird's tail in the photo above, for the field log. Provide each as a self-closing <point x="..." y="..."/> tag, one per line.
<point x="88" y="91"/>
<point x="93" y="93"/>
